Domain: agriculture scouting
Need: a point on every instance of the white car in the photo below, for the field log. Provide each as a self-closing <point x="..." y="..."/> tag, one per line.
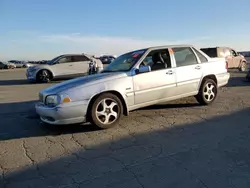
<point x="134" y="80"/>
<point x="20" y="64"/>
<point x="64" y="66"/>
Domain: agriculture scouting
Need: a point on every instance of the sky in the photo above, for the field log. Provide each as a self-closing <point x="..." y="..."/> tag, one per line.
<point x="36" y="30"/>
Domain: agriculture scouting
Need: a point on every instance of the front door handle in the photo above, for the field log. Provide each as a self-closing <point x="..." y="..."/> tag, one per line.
<point x="170" y="72"/>
<point x="70" y="65"/>
<point x="198" y="67"/>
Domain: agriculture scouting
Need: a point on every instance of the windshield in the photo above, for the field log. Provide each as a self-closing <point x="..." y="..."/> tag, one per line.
<point x="51" y="62"/>
<point x="124" y="62"/>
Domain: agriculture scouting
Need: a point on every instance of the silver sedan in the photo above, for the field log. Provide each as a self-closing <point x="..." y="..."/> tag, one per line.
<point x="134" y="80"/>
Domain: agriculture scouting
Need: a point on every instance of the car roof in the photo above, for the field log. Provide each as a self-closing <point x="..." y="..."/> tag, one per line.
<point x="170" y="46"/>
<point x="162" y="47"/>
<point x="73" y="54"/>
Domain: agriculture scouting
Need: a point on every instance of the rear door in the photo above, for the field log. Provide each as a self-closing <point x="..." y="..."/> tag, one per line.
<point x="188" y="70"/>
<point x="80" y="64"/>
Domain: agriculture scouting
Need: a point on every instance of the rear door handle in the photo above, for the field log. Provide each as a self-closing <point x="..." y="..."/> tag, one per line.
<point x="170" y="72"/>
<point x="70" y="65"/>
<point x="198" y="67"/>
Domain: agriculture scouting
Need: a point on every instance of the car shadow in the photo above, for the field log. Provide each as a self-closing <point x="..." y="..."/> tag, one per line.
<point x="32" y="126"/>
<point x="19" y="120"/>
<point x="13" y="82"/>
<point x="200" y="154"/>
<point x="238" y="82"/>
<point x="177" y="105"/>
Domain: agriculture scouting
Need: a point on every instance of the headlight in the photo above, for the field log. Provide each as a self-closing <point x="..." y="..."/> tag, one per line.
<point x="52" y="100"/>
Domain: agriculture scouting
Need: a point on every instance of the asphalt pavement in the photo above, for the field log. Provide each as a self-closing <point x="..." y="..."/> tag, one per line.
<point x="179" y="145"/>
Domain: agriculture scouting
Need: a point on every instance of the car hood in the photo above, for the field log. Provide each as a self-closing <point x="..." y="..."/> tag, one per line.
<point x="38" y="66"/>
<point x="83" y="81"/>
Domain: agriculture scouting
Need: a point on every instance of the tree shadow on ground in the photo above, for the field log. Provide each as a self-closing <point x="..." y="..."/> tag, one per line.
<point x="209" y="153"/>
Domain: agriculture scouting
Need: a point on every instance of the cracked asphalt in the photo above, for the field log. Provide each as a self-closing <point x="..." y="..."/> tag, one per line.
<point x="180" y="144"/>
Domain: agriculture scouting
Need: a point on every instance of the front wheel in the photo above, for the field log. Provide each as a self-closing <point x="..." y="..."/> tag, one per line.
<point x="243" y="67"/>
<point x="43" y="76"/>
<point x="106" y="111"/>
<point x="208" y="92"/>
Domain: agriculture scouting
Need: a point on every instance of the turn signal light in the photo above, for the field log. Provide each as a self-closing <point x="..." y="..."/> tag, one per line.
<point x="66" y="100"/>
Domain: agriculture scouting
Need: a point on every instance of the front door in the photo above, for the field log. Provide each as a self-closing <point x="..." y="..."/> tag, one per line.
<point x="63" y="67"/>
<point x="157" y="85"/>
<point x="236" y="59"/>
<point x="188" y="70"/>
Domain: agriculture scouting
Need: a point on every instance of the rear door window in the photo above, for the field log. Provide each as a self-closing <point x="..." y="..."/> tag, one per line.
<point x="79" y="58"/>
<point x="184" y="56"/>
<point x="202" y="58"/>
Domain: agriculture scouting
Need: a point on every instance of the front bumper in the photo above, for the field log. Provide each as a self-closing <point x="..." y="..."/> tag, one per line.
<point x="70" y="113"/>
<point x="31" y="76"/>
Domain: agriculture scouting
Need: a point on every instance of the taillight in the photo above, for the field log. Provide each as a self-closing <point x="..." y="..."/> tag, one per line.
<point x="227" y="65"/>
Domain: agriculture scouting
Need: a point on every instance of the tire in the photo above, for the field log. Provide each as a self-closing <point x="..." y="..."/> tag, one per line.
<point x="207" y="93"/>
<point x="43" y="76"/>
<point x="243" y="66"/>
<point x="104" y="119"/>
<point x="24" y="66"/>
<point x="248" y="78"/>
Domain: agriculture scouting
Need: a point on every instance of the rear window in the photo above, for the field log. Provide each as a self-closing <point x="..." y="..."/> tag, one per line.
<point x="211" y="52"/>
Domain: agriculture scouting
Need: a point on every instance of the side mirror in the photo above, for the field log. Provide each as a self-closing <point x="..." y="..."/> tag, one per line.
<point x="143" y="69"/>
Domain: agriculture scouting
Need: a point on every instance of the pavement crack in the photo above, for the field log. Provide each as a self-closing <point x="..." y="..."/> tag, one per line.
<point x="129" y="171"/>
<point x="26" y="153"/>
<point x="76" y="141"/>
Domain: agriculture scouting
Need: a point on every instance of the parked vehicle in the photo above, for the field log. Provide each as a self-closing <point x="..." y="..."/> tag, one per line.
<point x="245" y="53"/>
<point x="233" y="58"/>
<point x="3" y="65"/>
<point x="20" y="64"/>
<point x="134" y="80"/>
<point x="63" y="66"/>
<point x="11" y="65"/>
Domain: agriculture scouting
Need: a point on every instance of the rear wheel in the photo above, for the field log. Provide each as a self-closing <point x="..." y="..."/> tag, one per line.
<point x="106" y="111"/>
<point x="208" y="92"/>
<point x="44" y="76"/>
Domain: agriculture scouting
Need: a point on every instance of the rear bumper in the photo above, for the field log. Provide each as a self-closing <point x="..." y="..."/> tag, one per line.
<point x="222" y="79"/>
